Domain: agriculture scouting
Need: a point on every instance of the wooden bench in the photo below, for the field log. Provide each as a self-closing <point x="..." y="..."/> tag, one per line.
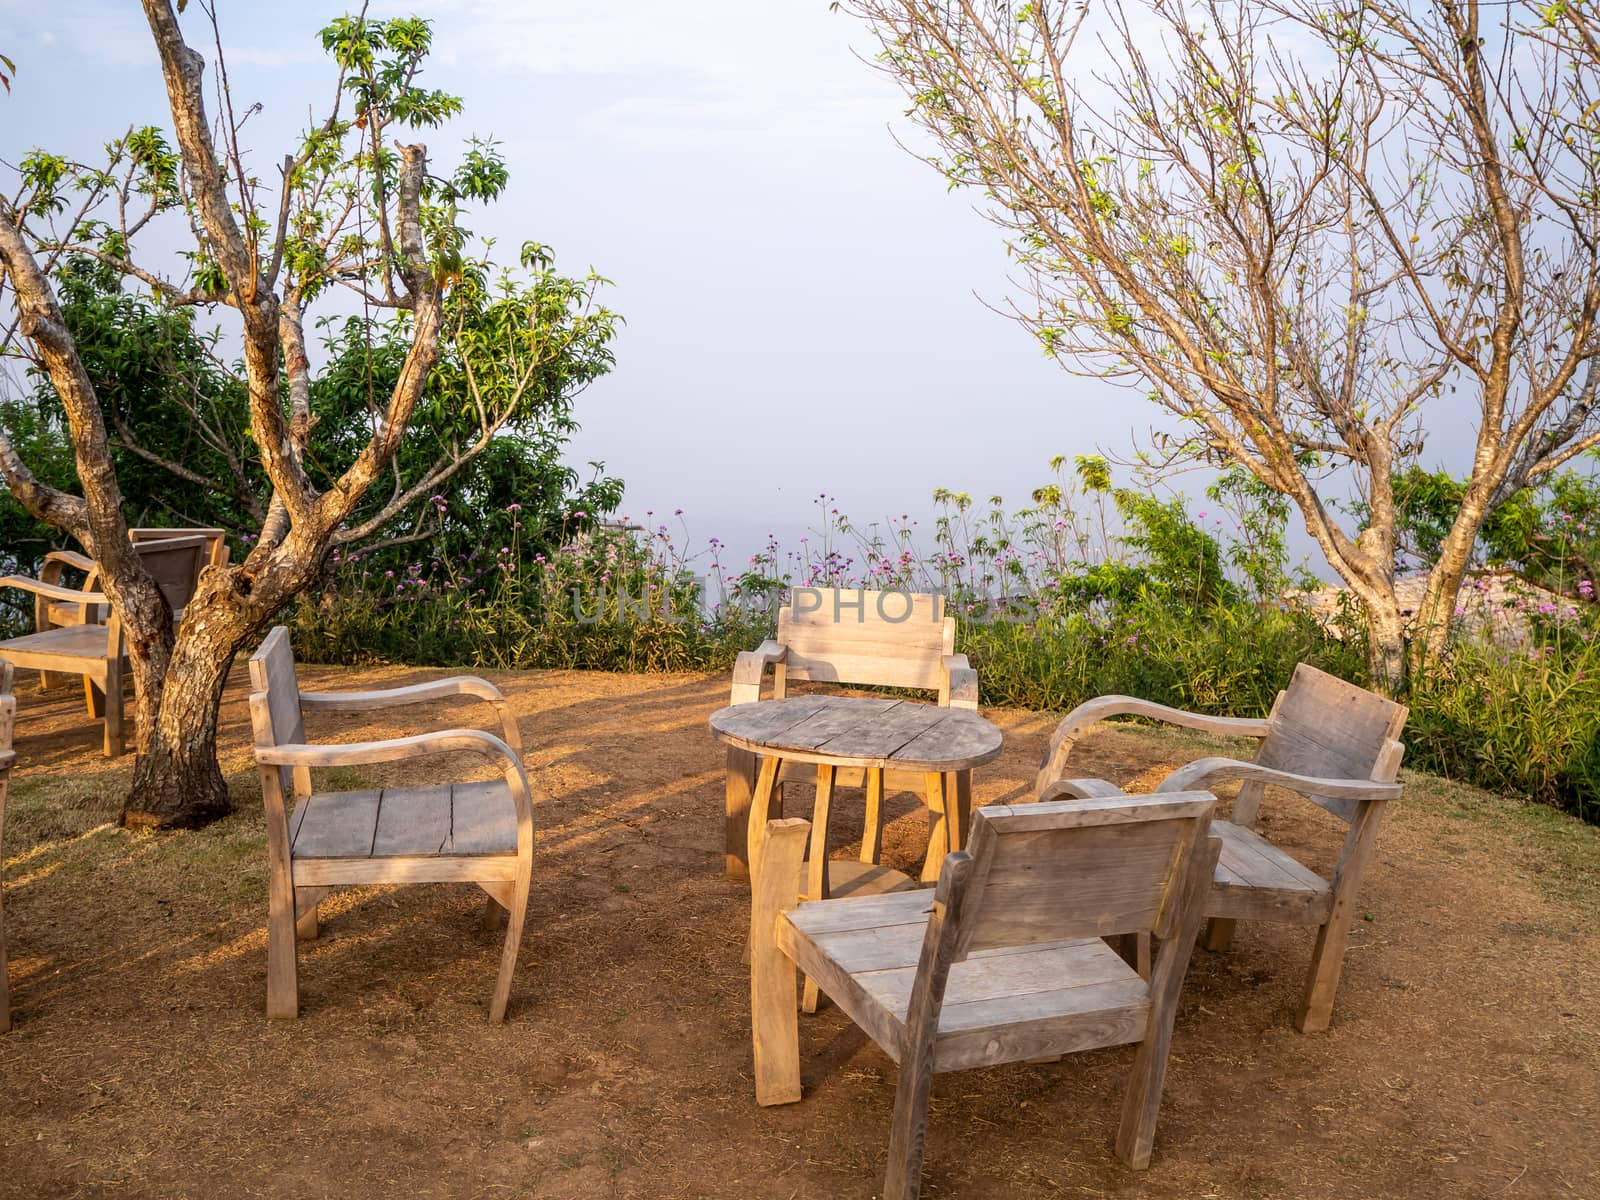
<point x="1326" y="740"/>
<point x="92" y="645"/>
<point x="480" y="833"/>
<point x="1003" y="962"/>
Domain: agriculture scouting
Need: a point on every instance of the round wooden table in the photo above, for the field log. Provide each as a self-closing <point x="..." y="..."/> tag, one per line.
<point x="940" y="744"/>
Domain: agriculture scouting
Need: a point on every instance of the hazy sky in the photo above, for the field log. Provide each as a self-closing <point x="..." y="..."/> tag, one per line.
<point x="802" y="296"/>
<point x="807" y="306"/>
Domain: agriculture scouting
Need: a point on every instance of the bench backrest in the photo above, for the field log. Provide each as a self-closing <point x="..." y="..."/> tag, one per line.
<point x="1080" y="868"/>
<point x="855" y="635"/>
<point x="1329" y="729"/>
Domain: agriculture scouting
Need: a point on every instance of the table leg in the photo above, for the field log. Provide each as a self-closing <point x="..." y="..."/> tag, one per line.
<point x="872" y="831"/>
<point x="938" y="826"/>
<point x="738" y="790"/>
<point x="962" y="783"/>
<point x="761" y="804"/>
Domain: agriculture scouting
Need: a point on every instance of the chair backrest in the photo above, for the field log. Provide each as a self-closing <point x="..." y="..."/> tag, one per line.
<point x="275" y="704"/>
<point x="1079" y="868"/>
<point x="1329" y="729"/>
<point x="854" y="635"/>
<point x="174" y="563"/>
<point x="216" y="540"/>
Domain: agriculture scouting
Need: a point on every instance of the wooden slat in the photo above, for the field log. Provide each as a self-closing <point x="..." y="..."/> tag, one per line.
<point x="831" y="720"/>
<point x="1252" y="859"/>
<point x="1043" y="1024"/>
<point x="1019" y="971"/>
<point x="483" y="820"/>
<point x="272" y="671"/>
<point x="336" y="825"/>
<point x="1328" y="728"/>
<point x="412" y="821"/>
<point x="434" y="868"/>
<point x="1075" y="882"/>
<point x="834" y="916"/>
<point x="881" y="738"/>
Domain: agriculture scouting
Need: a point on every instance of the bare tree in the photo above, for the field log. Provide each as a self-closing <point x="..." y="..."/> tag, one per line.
<point x="1315" y="233"/>
<point x="353" y="207"/>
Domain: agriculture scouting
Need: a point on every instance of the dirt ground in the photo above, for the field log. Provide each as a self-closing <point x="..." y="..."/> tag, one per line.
<point x="1463" y="1060"/>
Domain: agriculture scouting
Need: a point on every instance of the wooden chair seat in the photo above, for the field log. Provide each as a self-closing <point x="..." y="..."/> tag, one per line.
<point x="476" y="819"/>
<point x="58" y="649"/>
<point x="1075" y="994"/>
<point x="1255" y="879"/>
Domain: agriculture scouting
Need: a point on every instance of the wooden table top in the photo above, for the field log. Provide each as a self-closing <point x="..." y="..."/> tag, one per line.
<point x="856" y="731"/>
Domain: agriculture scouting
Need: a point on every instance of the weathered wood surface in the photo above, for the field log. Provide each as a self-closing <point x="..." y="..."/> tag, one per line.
<point x="472" y="832"/>
<point x="860" y="732"/>
<point x="864" y="639"/>
<point x="990" y="968"/>
<point x="1326" y="740"/>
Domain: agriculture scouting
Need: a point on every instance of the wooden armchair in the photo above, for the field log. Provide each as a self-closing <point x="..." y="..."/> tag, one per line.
<point x="1327" y="740"/>
<point x="51" y="612"/>
<point x="1003" y="962"/>
<point x="478" y="833"/>
<point x="8" y="715"/>
<point x="88" y="642"/>
<point x="849" y="637"/>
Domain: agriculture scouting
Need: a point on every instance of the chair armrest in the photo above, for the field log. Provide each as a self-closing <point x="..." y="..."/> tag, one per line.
<point x="53" y="590"/>
<point x="1081" y="789"/>
<point x="1204" y="772"/>
<point x="960" y="682"/>
<point x="417" y="693"/>
<point x="749" y="667"/>
<point x="1077" y="722"/>
<point x="360" y="754"/>
<point x="70" y="558"/>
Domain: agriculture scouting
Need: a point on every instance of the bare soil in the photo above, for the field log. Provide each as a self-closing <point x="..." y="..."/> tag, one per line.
<point x="1463" y="1060"/>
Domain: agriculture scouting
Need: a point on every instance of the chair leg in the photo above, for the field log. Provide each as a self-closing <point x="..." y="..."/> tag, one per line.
<point x="774" y="1024"/>
<point x="283" y="983"/>
<point x="1219" y="934"/>
<point x="306" y="928"/>
<point x="93" y="698"/>
<point x="114" y="740"/>
<point x="494" y="914"/>
<point x="508" y="957"/>
<point x="1322" y="980"/>
<point x="908" y="1130"/>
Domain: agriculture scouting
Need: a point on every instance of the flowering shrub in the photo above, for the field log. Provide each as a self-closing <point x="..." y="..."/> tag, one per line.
<point x="1086" y="591"/>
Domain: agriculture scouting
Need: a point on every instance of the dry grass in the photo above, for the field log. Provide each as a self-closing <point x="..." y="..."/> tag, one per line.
<point x="1462" y="1061"/>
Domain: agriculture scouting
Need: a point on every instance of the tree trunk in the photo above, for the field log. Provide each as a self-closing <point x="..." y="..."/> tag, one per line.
<point x="1386" y="644"/>
<point x="177" y="783"/>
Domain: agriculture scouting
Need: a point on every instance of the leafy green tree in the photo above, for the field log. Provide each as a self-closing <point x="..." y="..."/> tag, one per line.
<point x="353" y="207"/>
